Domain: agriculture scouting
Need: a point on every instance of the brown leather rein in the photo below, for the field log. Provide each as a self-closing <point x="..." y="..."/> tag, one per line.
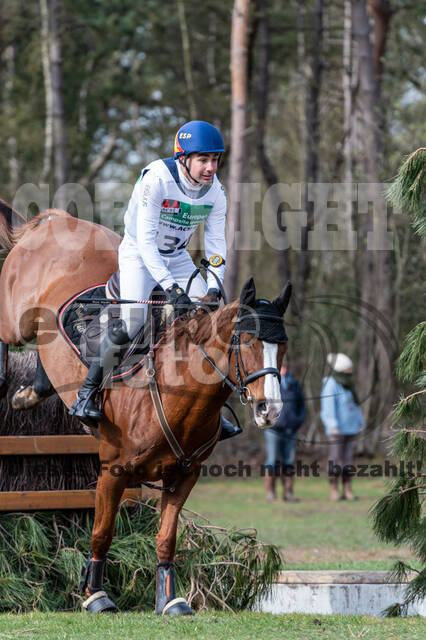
<point x="183" y="460"/>
<point x="241" y="388"/>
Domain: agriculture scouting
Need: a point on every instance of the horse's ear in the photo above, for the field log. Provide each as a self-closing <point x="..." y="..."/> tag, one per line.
<point x="248" y="293"/>
<point x="283" y="299"/>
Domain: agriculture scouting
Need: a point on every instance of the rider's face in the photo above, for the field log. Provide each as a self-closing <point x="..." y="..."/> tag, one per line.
<point x="202" y="167"/>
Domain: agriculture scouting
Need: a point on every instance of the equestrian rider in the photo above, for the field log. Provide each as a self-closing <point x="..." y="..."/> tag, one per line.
<point x="170" y="199"/>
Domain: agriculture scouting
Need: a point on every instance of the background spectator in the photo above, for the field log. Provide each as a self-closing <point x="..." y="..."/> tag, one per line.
<point x="342" y="419"/>
<point x="282" y="437"/>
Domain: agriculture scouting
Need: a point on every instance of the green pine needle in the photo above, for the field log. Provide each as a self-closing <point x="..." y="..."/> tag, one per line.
<point x="410" y="446"/>
<point x="395" y="610"/>
<point x="412" y="361"/>
<point x="397" y="513"/>
<point x="408" y="190"/>
<point x="41" y="557"/>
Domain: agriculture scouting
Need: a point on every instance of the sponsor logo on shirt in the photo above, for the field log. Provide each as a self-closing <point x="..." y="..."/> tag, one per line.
<point x="183" y="213"/>
<point x="170" y="206"/>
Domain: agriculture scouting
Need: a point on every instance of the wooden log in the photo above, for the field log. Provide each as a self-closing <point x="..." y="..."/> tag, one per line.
<point x="47" y="445"/>
<point x="47" y="500"/>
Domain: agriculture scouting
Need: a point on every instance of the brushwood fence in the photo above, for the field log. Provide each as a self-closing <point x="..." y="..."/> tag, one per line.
<point x="45" y="460"/>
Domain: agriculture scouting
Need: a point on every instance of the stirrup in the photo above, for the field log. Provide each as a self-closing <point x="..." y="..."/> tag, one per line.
<point x="80" y="410"/>
<point x="229" y="430"/>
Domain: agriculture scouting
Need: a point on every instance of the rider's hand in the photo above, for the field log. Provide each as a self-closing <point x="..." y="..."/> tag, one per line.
<point x="179" y="299"/>
<point x="214" y="295"/>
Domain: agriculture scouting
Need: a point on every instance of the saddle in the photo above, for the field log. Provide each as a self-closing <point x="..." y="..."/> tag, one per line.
<point x="80" y="323"/>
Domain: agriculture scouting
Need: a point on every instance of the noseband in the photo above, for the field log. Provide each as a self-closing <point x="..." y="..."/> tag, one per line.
<point x="242" y="382"/>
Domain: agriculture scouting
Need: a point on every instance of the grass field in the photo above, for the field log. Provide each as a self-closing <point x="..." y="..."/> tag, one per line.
<point x="312" y="534"/>
<point x="207" y="626"/>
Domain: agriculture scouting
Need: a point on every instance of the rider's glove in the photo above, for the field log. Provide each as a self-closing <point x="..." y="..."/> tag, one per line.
<point x="178" y="298"/>
<point x="214" y="295"/>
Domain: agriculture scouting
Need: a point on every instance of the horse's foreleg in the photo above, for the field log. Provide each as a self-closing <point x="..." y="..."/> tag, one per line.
<point x="28" y="397"/>
<point x="108" y="494"/>
<point x="171" y="504"/>
<point x="4" y="353"/>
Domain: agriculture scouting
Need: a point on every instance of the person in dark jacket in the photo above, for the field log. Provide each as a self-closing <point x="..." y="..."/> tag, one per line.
<point x="281" y="439"/>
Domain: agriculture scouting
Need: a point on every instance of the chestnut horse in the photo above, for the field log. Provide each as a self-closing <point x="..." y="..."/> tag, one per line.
<point x="54" y="256"/>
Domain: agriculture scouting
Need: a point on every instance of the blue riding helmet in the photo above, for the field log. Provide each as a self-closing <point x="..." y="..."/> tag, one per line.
<point x="197" y="136"/>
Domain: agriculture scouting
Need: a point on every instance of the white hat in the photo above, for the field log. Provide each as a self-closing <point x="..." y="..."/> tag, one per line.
<point x="339" y="362"/>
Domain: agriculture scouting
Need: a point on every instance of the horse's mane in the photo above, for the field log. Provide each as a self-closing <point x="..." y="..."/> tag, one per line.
<point x="199" y="328"/>
<point x="9" y="220"/>
<point x="19" y="232"/>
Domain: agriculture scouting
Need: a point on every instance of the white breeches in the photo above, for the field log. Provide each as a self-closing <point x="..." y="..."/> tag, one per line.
<point x="136" y="282"/>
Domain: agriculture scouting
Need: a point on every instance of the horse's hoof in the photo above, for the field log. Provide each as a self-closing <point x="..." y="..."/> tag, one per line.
<point x="177" y="607"/>
<point x="25" y="398"/>
<point x="99" y="603"/>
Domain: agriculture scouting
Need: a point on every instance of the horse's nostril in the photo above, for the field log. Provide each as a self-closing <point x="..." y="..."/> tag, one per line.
<point x="261" y="407"/>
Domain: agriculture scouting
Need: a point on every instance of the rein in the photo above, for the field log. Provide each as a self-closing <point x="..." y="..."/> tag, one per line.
<point x="241" y="386"/>
<point x="242" y="377"/>
<point x="184" y="461"/>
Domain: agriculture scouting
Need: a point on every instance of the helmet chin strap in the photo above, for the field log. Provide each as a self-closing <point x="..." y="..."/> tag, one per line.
<point x="187" y="169"/>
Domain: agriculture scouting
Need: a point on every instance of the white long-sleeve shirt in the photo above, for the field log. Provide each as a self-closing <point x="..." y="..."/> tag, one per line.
<point x="162" y="216"/>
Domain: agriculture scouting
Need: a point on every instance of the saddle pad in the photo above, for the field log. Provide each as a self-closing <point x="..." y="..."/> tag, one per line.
<point x="79" y="324"/>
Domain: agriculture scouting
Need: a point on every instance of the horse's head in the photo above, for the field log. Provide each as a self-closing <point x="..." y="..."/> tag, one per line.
<point x="259" y="344"/>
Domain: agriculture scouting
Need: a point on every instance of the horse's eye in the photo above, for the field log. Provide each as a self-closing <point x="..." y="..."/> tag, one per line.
<point x="247" y="344"/>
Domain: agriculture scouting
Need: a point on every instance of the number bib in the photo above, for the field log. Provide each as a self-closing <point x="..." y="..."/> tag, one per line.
<point x="178" y="221"/>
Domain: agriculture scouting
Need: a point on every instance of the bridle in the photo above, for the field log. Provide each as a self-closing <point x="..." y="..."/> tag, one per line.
<point x="243" y="379"/>
<point x="235" y="346"/>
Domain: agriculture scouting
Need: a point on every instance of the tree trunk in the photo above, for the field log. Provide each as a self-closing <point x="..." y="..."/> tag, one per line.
<point x="187" y="65"/>
<point x="375" y="354"/>
<point x="9" y="57"/>
<point x="312" y="105"/>
<point x="348" y="115"/>
<point x="45" y="57"/>
<point x="59" y="132"/>
<point x="239" y="93"/>
<point x="269" y="173"/>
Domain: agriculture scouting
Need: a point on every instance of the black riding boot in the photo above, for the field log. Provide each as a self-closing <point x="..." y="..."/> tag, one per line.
<point x="229" y="430"/>
<point x="85" y="407"/>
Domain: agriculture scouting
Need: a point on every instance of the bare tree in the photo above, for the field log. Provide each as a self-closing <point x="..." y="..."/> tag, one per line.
<point x="59" y="131"/>
<point x="376" y="354"/>
<point x="269" y="173"/>
<point x="9" y="58"/>
<point x="239" y="90"/>
<point x="187" y="65"/>
<point x="45" y="58"/>
<point x="312" y="110"/>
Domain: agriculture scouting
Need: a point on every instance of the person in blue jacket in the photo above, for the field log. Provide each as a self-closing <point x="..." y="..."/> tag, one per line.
<point x="281" y="439"/>
<point x="342" y="419"/>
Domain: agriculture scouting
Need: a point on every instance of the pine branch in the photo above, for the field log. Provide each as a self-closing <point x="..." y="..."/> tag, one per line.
<point x="407" y="191"/>
<point x="412" y="361"/>
<point x="398" y="513"/>
<point x="418" y="486"/>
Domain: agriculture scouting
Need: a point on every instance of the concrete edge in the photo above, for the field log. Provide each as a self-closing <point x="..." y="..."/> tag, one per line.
<point x="338" y="577"/>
